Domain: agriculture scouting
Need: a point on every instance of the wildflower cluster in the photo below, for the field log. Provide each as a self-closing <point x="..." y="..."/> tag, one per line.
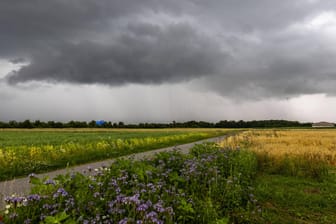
<point x="205" y="186"/>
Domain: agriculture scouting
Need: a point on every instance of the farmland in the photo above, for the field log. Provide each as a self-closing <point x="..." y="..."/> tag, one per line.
<point x="32" y="151"/>
<point x="292" y="152"/>
<point x="256" y="176"/>
<point x="296" y="179"/>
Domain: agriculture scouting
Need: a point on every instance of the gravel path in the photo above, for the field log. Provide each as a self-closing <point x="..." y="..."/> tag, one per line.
<point x="21" y="186"/>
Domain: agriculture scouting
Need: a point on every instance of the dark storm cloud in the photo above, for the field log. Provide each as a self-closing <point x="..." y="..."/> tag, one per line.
<point x="145" y="54"/>
<point x="252" y="49"/>
<point x="27" y="25"/>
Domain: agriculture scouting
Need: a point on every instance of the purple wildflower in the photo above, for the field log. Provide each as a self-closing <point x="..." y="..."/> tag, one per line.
<point x="159" y="208"/>
<point x="113" y="183"/>
<point x="53" y="212"/>
<point x="14" y="200"/>
<point x="131" y="200"/>
<point x="47" y="206"/>
<point x="60" y="192"/>
<point x="135" y="198"/>
<point x="49" y="182"/>
<point x="119" y="198"/>
<point x="142" y="207"/>
<point x="118" y="190"/>
<point x="151" y="215"/>
<point x="149" y="203"/>
<point x="123" y="221"/>
<point x="70" y="202"/>
<point x="34" y="197"/>
<point x="96" y="194"/>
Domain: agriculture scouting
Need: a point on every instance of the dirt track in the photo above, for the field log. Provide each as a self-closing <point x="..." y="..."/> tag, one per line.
<point x="21" y="186"/>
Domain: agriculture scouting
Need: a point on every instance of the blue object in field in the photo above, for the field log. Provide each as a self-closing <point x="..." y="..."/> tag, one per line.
<point x="100" y="123"/>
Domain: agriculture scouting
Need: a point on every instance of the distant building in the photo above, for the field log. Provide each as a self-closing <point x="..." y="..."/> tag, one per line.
<point x="323" y="124"/>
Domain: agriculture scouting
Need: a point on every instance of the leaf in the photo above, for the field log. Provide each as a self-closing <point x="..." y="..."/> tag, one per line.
<point x="58" y="218"/>
<point x="35" y="181"/>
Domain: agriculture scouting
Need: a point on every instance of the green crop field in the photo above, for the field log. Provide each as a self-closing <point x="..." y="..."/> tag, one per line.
<point x="35" y="150"/>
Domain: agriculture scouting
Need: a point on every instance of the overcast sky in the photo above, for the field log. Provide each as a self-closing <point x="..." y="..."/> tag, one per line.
<point x="159" y="61"/>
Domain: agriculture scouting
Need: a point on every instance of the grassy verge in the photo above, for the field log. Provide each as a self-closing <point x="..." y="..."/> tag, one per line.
<point x="287" y="200"/>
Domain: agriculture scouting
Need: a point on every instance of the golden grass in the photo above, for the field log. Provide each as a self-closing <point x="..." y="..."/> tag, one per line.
<point x="319" y="145"/>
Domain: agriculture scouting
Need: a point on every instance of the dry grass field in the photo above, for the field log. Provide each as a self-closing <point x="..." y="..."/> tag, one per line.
<point x="313" y="144"/>
<point x="296" y="173"/>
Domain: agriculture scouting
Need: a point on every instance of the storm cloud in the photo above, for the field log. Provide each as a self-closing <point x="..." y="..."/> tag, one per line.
<point x="237" y="49"/>
<point x="145" y="54"/>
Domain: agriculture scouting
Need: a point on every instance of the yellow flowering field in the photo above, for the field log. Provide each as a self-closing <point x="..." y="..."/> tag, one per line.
<point x="33" y="151"/>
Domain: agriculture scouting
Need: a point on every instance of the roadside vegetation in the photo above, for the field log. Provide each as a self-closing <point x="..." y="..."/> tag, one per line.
<point x="23" y="151"/>
<point x="209" y="185"/>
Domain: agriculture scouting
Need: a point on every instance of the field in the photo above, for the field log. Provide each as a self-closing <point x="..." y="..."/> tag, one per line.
<point x="256" y="176"/>
<point x="292" y="152"/>
<point x="34" y="150"/>
<point x="296" y="179"/>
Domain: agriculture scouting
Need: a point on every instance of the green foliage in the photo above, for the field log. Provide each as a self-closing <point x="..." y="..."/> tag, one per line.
<point x="299" y="200"/>
<point x="59" y="218"/>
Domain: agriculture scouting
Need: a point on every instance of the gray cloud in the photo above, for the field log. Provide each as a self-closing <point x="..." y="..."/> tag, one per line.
<point x="251" y="49"/>
<point x="145" y="54"/>
<point x="303" y="65"/>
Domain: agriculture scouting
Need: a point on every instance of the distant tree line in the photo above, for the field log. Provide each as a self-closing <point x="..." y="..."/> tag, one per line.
<point x="188" y="124"/>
